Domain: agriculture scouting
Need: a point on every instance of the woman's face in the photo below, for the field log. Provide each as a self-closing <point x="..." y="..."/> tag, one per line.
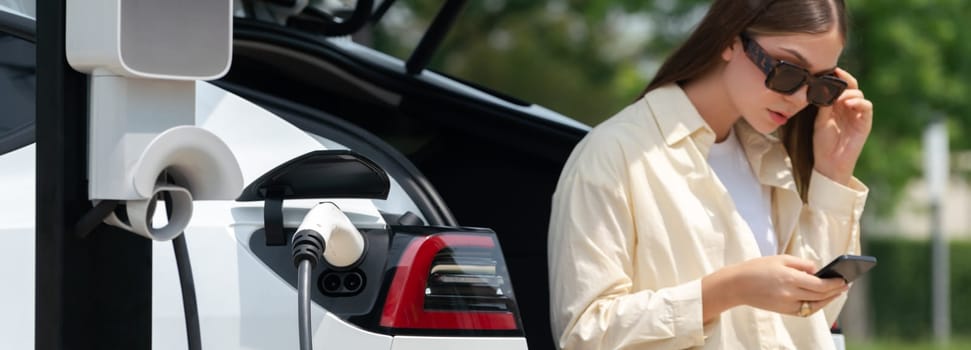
<point x="761" y="107"/>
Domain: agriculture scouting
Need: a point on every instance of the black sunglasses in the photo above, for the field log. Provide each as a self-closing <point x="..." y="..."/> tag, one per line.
<point x="786" y="78"/>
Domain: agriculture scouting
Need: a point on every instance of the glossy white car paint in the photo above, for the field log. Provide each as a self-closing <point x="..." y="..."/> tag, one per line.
<point x="447" y="343"/>
<point x="242" y="304"/>
<point x="17" y="251"/>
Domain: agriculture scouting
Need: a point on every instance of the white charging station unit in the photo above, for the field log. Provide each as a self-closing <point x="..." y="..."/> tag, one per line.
<point x="143" y="58"/>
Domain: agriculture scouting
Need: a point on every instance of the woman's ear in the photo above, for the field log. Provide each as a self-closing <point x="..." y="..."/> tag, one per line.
<point x="730" y="49"/>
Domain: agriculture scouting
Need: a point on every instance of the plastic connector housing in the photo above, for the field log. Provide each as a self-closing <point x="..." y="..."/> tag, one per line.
<point x="143" y="127"/>
<point x="343" y="243"/>
<point x="171" y="39"/>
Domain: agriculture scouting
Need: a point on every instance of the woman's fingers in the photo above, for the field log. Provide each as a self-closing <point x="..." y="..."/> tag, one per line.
<point x="824" y="289"/>
<point x="816" y="305"/>
<point x="819" y="285"/>
<point x="808" y="286"/>
<point x="850" y="93"/>
<point x="856" y="110"/>
<point x="852" y="98"/>
<point x="850" y="79"/>
<point x="799" y="263"/>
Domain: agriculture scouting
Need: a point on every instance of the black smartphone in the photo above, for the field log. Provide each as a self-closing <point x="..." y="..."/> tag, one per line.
<point x="847" y="267"/>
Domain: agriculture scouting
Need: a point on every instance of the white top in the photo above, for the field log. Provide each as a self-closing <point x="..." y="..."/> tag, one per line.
<point x="751" y="198"/>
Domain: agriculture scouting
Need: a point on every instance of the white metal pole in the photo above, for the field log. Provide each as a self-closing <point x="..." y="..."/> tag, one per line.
<point x="936" y="171"/>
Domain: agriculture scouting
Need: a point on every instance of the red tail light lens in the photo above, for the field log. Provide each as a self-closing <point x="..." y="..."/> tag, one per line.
<point x="451" y="281"/>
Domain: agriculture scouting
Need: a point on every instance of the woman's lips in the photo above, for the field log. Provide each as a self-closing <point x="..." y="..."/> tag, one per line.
<point x="777" y="117"/>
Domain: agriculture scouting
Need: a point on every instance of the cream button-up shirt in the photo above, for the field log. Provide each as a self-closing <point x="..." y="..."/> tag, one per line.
<point x="639" y="218"/>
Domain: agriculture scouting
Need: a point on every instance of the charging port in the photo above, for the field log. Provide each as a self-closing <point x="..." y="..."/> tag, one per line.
<point x="341" y="283"/>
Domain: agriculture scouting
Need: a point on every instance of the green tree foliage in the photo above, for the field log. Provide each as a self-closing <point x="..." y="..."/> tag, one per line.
<point x="900" y="293"/>
<point x="588" y="59"/>
<point x="581" y="58"/>
<point x="911" y="58"/>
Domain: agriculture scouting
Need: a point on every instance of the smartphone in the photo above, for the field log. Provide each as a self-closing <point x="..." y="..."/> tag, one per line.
<point x="847" y="267"/>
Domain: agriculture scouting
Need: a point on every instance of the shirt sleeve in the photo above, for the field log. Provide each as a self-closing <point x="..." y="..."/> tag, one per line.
<point x="829" y="225"/>
<point x="591" y="245"/>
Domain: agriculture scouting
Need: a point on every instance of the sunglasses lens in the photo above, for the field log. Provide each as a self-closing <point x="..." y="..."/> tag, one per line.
<point x="786" y="78"/>
<point x="823" y="92"/>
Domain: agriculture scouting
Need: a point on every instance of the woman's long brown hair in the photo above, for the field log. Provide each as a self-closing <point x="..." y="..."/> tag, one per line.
<point x="725" y="20"/>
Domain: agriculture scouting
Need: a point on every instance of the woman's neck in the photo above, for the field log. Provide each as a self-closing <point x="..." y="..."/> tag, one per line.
<point x="708" y="95"/>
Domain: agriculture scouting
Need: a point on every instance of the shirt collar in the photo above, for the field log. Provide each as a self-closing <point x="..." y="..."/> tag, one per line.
<point x="677" y="117"/>
<point x="768" y="157"/>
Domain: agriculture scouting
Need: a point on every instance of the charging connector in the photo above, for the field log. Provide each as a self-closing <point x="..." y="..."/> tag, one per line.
<point x="342" y="244"/>
<point x="325" y="232"/>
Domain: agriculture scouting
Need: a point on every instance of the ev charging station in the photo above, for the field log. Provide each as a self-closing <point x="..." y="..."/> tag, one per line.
<point x="143" y="58"/>
<point x="115" y="140"/>
<point x="122" y="135"/>
<point x="116" y="130"/>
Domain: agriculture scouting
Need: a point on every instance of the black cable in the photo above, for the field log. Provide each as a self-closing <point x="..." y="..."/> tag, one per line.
<point x="95" y="217"/>
<point x="185" y="279"/>
<point x="433" y="37"/>
<point x="382" y="9"/>
<point x="188" y="292"/>
<point x="303" y="305"/>
<point x="307" y="248"/>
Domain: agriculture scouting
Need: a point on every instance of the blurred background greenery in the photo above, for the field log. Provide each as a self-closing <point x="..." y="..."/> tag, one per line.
<point x="588" y="59"/>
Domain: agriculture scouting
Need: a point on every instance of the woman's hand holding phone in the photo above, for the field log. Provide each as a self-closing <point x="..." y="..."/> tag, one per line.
<point x="841" y="130"/>
<point x="780" y="283"/>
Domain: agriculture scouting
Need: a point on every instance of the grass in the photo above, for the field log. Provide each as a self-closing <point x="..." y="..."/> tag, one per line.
<point x="923" y="344"/>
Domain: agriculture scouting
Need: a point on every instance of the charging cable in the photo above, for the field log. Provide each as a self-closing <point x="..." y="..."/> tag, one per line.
<point x="185" y="279"/>
<point x="325" y="232"/>
<point x="307" y="248"/>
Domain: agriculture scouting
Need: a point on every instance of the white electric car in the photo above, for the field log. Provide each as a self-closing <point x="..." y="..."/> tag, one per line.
<point x="429" y="157"/>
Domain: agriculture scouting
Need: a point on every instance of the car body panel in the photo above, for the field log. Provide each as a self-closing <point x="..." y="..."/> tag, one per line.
<point x="17" y="179"/>
<point x="450" y="343"/>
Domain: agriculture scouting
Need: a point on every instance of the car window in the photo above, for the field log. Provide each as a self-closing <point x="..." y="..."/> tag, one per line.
<point x="26" y="8"/>
<point x="18" y="81"/>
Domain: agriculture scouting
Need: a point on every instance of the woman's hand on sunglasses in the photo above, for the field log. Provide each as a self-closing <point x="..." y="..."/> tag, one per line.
<point x="841" y="130"/>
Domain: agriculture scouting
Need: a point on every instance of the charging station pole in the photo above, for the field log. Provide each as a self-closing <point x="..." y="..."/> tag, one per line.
<point x="95" y="292"/>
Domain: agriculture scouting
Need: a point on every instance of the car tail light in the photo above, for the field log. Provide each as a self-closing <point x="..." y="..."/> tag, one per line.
<point x="453" y="281"/>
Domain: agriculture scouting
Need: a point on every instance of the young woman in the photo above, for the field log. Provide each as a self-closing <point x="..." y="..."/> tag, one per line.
<point x="697" y="216"/>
